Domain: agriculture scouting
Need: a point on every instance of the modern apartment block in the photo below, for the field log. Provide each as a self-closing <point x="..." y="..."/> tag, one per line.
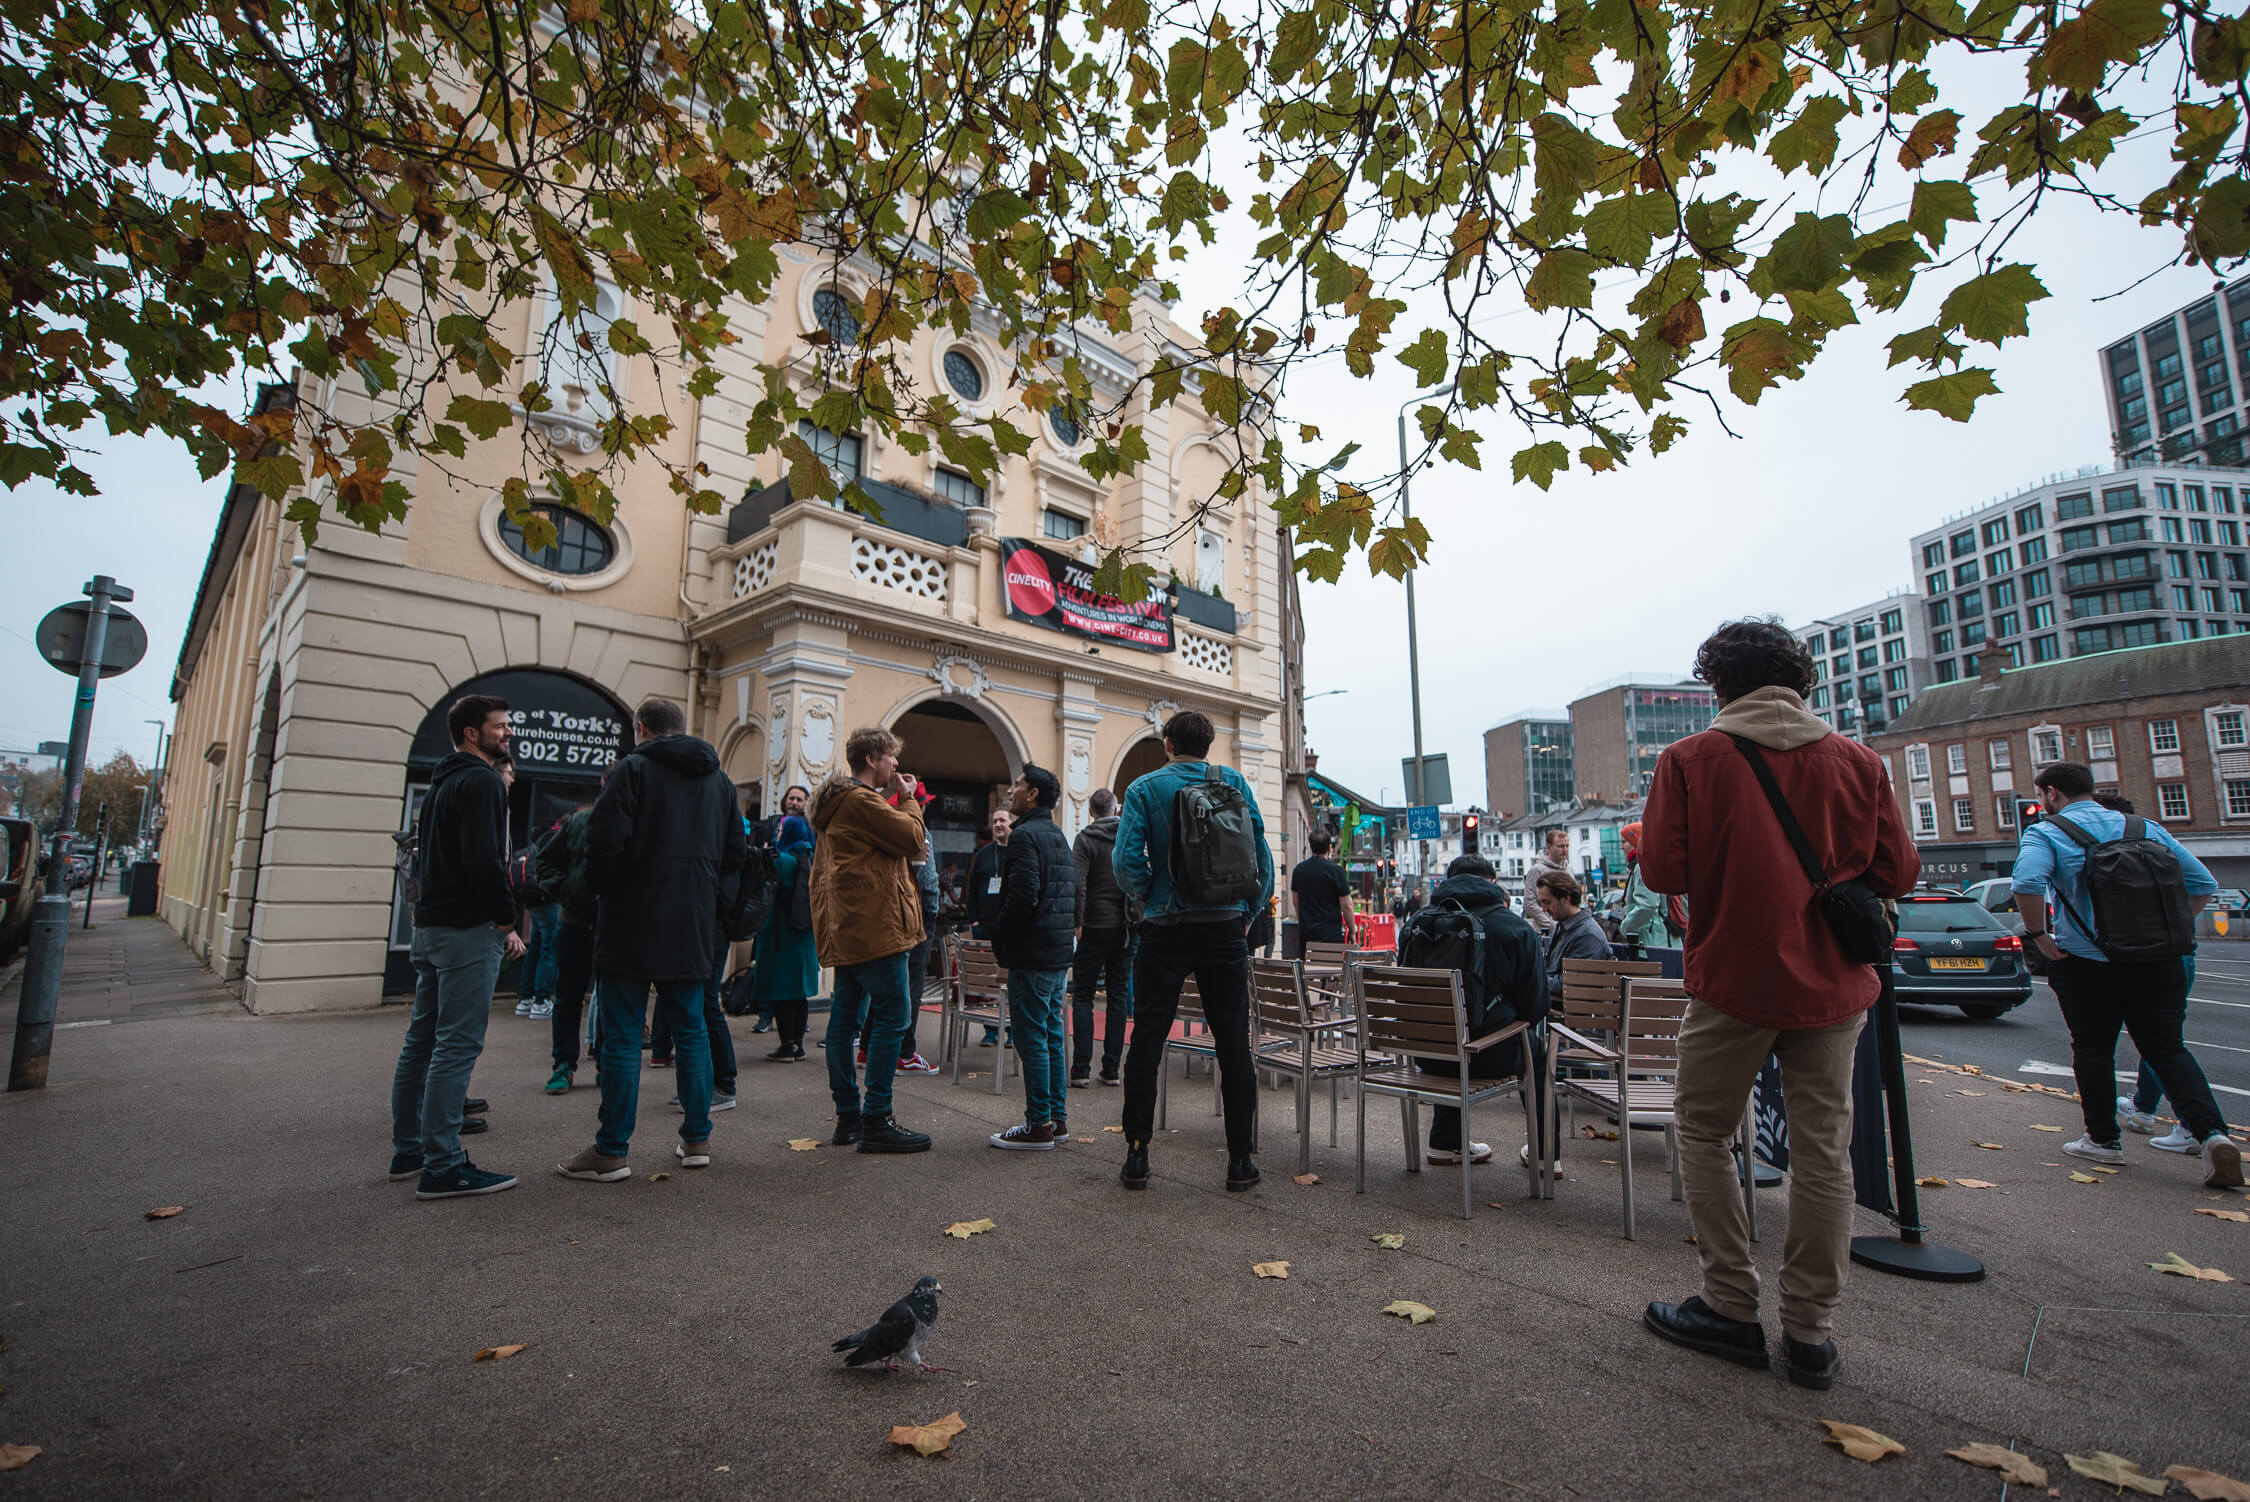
<point x="2089" y="562"/>
<point x="1872" y="662"/>
<point x="1528" y="767"/>
<point x="1619" y="730"/>
<point x="2147" y="377"/>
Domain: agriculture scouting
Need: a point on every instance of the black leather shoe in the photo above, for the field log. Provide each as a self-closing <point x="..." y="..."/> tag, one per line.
<point x="880" y="1134"/>
<point x="1813" y="1366"/>
<point x="785" y="1053"/>
<point x="471" y="1125"/>
<point x="847" y="1130"/>
<point x="1134" y="1175"/>
<point x="1242" y="1174"/>
<point x="472" y="1107"/>
<point x="1694" y="1324"/>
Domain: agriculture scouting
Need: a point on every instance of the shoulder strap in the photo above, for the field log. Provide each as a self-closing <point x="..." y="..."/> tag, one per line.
<point x="1789" y="825"/>
<point x="2080" y="835"/>
<point x="2136" y="827"/>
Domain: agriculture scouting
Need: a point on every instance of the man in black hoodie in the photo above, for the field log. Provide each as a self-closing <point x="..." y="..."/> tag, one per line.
<point x="1514" y="985"/>
<point x="1031" y="937"/>
<point x="1105" y="945"/>
<point x="666" y="828"/>
<point x="464" y="921"/>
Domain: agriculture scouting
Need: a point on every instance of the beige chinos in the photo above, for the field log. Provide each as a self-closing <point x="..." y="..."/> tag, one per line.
<point x="1719" y="1062"/>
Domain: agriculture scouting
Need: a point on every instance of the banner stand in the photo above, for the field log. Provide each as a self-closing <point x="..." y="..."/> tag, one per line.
<point x="1906" y="1254"/>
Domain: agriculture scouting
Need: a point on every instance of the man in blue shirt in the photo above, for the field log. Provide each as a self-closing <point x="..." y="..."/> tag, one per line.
<point x="2148" y="998"/>
<point x="1179" y="940"/>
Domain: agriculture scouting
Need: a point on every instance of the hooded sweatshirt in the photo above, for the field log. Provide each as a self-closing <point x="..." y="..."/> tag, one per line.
<point x="864" y="903"/>
<point x="1758" y="949"/>
<point x="666" y="828"/>
<point x="1101" y="901"/>
<point x="463" y="847"/>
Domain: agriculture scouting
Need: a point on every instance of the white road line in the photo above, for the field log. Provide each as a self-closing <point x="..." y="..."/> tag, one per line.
<point x="96" y="1022"/>
<point x="2034" y="1066"/>
<point x="2209" y="1002"/>
<point x="2228" y="1047"/>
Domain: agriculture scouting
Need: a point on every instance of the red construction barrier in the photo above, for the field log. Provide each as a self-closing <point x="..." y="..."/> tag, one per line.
<point x="1374" y="931"/>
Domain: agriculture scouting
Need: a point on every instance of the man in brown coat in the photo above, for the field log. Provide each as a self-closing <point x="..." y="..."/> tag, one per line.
<point x="867" y="919"/>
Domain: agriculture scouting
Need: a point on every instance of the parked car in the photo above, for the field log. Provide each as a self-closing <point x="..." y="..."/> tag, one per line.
<point x="1950" y="952"/>
<point x="19" y="883"/>
<point x="1998" y="897"/>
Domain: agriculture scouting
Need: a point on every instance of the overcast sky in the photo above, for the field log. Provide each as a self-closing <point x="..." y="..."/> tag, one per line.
<point x="1528" y="600"/>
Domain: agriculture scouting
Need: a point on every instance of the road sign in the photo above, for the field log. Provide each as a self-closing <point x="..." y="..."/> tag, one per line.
<point x="62" y="638"/>
<point x="1422" y="822"/>
<point x="1437" y="780"/>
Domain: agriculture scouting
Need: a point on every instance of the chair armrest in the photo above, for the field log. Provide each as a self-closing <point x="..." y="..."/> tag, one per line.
<point x="1580" y="1040"/>
<point x="1479" y="1045"/>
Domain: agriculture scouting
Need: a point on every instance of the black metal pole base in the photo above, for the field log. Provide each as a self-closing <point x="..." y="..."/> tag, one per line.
<point x="1916" y="1259"/>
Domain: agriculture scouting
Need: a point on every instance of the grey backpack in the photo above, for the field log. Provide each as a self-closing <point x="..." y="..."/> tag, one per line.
<point x="1214" y="854"/>
<point x="2138" y="892"/>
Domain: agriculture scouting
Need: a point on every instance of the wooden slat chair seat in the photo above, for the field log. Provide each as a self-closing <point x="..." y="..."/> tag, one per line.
<point x="1290" y="1040"/>
<point x="1191" y="1045"/>
<point x="980" y="997"/>
<point x="1404" y="1014"/>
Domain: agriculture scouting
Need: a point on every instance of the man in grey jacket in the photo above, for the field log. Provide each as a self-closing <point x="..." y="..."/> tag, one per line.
<point x="1105" y="946"/>
<point x="1555" y="858"/>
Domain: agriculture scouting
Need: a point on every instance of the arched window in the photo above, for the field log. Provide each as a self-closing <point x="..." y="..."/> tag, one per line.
<point x="580" y="545"/>
<point x="833" y="313"/>
<point x="1065" y="425"/>
<point x="964" y="375"/>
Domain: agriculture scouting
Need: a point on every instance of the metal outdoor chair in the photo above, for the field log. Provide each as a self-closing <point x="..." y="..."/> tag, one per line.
<point x="1291" y="1041"/>
<point x="980" y="996"/>
<point x="1189" y="1045"/>
<point x="1406" y="1014"/>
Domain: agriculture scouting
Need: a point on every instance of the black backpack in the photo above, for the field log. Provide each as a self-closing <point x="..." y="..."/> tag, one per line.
<point x="523" y="874"/>
<point x="1447" y="937"/>
<point x="1214" y="854"/>
<point x="799" y="913"/>
<point x="2139" y="894"/>
<point x="746" y="896"/>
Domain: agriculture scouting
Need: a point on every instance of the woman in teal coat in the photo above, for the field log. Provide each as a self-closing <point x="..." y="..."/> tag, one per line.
<point x="788" y="967"/>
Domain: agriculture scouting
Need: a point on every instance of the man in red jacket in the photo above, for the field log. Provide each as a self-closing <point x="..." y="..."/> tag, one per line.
<point x="1767" y="976"/>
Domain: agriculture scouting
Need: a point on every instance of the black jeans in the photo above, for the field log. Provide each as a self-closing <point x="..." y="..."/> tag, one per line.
<point x="1496" y="1063"/>
<point x="789" y="1019"/>
<point x="2147" y="998"/>
<point x="715" y="1024"/>
<point x="1218" y="956"/>
<point x="574" y="973"/>
<point x="1101" y="960"/>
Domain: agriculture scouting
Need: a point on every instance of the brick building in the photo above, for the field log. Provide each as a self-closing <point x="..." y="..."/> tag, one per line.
<point x="1618" y="730"/>
<point x="2166" y="726"/>
<point x="1527" y="764"/>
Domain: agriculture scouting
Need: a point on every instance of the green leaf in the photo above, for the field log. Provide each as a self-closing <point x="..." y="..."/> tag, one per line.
<point x="1809" y="142"/>
<point x="997" y="211"/>
<point x="1936" y="201"/>
<point x="481" y="417"/>
<point x="2222" y="221"/>
<point x="1951" y="395"/>
<point x="1913" y="92"/>
<point x="1539" y="462"/>
<point x="1564" y="278"/>
<point x="1624" y="229"/>
<point x="1427" y="357"/>
<point x="1992" y="307"/>
<point x="1809" y="255"/>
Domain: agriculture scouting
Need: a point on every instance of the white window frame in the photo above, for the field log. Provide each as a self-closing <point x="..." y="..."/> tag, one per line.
<point x="1964" y="816"/>
<point x="2163" y="812"/>
<point x="1917" y="763"/>
<point x="1957" y="760"/>
<point x="1925" y="818"/>
<point x="1997" y="753"/>
<point x="2228" y="790"/>
<point x="2217" y="716"/>
<point x="2164" y="735"/>
<point x="2107" y="741"/>
<point x="2004" y="810"/>
<point x="2050" y="735"/>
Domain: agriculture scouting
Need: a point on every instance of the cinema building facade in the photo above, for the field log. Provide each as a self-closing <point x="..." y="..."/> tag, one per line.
<point x="312" y="683"/>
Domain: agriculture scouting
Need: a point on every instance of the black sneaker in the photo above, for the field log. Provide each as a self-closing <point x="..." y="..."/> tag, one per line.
<point x="1699" y="1327"/>
<point x="1242" y="1173"/>
<point x="847" y="1129"/>
<point x="1109" y="1076"/>
<point x="880" y="1134"/>
<point x="405" y="1166"/>
<point x="1081" y="1078"/>
<point x="471" y="1125"/>
<point x="474" y="1107"/>
<point x="1813" y="1366"/>
<point x="1134" y="1175"/>
<point x="465" y="1179"/>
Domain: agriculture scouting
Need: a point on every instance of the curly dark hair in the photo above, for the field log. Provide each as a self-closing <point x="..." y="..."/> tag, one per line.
<point x="1752" y="654"/>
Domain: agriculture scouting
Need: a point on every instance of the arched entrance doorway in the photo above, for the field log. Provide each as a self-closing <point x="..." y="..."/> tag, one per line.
<point x="951" y="749"/>
<point x="567" y="731"/>
<point x="1141" y="758"/>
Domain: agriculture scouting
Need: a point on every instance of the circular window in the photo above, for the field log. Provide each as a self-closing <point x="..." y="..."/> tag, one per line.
<point x="833" y="313"/>
<point x="580" y="545"/>
<point x="1065" y="425"/>
<point x="963" y="375"/>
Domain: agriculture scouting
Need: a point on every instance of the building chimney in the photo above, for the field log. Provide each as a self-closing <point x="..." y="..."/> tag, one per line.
<point x="1312" y="759"/>
<point x="1989" y="668"/>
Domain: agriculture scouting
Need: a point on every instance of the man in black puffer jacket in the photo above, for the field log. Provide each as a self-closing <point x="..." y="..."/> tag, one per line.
<point x="1031" y="936"/>
<point x="1514" y="986"/>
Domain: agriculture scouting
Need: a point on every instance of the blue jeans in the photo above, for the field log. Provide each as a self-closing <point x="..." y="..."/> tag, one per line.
<point x="2148" y="1090"/>
<point x="874" y="991"/>
<point x="546" y="922"/>
<point x="623" y="999"/>
<point x="1035" y="1003"/>
<point x="454" y="972"/>
<point x="715" y="1024"/>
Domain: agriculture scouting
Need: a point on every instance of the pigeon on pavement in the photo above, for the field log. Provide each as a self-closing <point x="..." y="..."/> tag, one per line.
<point x="900" y="1332"/>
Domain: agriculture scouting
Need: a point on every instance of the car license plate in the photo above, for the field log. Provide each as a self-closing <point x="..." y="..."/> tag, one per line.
<point x="1957" y="964"/>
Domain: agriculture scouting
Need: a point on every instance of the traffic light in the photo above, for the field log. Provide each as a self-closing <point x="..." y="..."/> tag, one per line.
<point x="2029" y="811"/>
<point x="1469" y="833"/>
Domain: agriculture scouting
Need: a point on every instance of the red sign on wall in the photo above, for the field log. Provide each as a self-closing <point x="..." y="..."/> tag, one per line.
<point x="1047" y="589"/>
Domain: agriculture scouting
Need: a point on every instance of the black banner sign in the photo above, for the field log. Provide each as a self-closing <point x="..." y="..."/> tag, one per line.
<point x="1047" y="589"/>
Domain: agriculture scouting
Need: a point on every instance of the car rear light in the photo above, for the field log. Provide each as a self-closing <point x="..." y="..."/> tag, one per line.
<point x="2008" y="944"/>
<point x="1905" y="945"/>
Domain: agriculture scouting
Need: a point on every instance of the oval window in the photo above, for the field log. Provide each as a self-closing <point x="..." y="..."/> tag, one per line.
<point x="580" y="545"/>
<point x="834" y="314"/>
<point x="963" y="375"/>
<point x="1065" y="425"/>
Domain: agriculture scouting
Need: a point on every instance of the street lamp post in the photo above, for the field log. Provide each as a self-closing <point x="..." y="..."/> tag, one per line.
<point x="148" y="793"/>
<point x="1413" y="642"/>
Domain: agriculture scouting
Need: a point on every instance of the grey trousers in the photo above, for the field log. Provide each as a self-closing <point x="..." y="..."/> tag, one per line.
<point x="454" y="972"/>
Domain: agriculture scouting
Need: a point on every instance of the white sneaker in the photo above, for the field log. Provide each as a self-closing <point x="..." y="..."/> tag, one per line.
<point x="541" y="1010"/>
<point x="1523" y="1156"/>
<point x="2224" y="1160"/>
<point x="2178" y="1140"/>
<point x="1479" y="1152"/>
<point x="523" y="1007"/>
<point x="2087" y="1147"/>
<point x="2135" y="1120"/>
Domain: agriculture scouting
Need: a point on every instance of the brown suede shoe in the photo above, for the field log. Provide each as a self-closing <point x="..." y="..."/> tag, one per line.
<point x="693" y="1154"/>
<point x="591" y="1164"/>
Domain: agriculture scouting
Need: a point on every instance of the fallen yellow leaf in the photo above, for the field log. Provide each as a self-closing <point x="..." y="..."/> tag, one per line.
<point x="1306" y="1179"/>
<point x="2117" y="1471"/>
<point x="497" y="1353"/>
<point x="928" y="1439"/>
<point x="2014" y="1465"/>
<point x="1270" y="1269"/>
<point x="16" y="1457"/>
<point x="1860" y="1443"/>
<point x="2234" y="1215"/>
<point x="2208" y="1486"/>
<point x="803" y="1144"/>
<point x="1596" y="1134"/>
<point x="2035" y="1126"/>
<point x="1976" y="1184"/>
<point x="1113" y="1129"/>
<point x="962" y="1230"/>
<point x="162" y="1212"/>
<point x="1389" y="1241"/>
<point x="1411" y="1312"/>
<point x="2082" y="1178"/>
<point x="2180" y="1266"/>
<point x="1085" y="1139"/>
<point x="1992" y="1147"/>
<point x="2098" y="1168"/>
<point x="1973" y="1092"/>
<point x="1932" y="1182"/>
<point x="658" y="1178"/>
